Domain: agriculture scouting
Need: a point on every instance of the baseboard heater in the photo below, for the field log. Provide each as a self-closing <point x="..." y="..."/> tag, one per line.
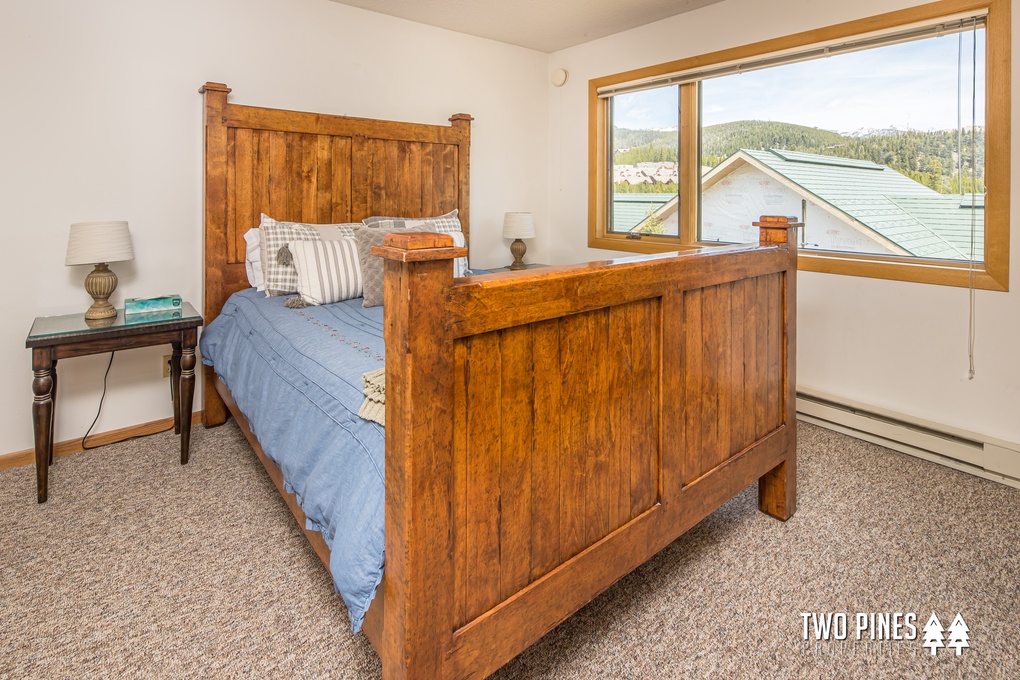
<point x="979" y="455"/>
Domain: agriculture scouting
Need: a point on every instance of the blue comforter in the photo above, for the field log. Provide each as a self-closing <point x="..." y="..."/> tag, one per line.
<point x="296" y="375"/>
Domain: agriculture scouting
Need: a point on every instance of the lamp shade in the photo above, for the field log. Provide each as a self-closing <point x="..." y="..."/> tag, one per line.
<point x="518" y="225"/>
<point x="95" y="242"/>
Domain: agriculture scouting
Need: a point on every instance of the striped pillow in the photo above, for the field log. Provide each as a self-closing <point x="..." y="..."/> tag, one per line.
<point x="327" y="271"/>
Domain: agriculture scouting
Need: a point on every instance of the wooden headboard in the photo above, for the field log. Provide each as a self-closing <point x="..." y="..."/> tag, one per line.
<point x="315" y="168"/>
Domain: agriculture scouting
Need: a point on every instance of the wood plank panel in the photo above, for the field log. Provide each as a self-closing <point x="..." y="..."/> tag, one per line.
<point x="230" y="231"/>
<point x="516" y="449"/>
<point x="762" y="365"/>
<point x="324" y="179"/>
<point x="393" y="166"/>
<point x="245" y="216"/>
<point x="694" y="350"/>
<point x="309" y="178"/>
<point x="427" y="164"/>
<point x="596" y="435"/>
<point x="546" y="462"/>
<point x="448" y="197"/>
<point x="578" y="373"/>
<point x="360" y="177"/>
<point x="261" y="149"/>
<point x="724" y="382"/>
<point x="634" y="408"/>
<point x="293" y="177"/>
<point x="376" y="166"/>
<point x="751" y="387"/>
<point x="460" y="482"/>
<point x="340" y="185"/>
<point x="483" y="473"/>
<point x="279" y="186"/>
<point x="709" y="383"/>
<point x="620" y="409"/>
<point x="670" y="403"/>
<point x="774" y="305"/>
<point x="737" y="358"/>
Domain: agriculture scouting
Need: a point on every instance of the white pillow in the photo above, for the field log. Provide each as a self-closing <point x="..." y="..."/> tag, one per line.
<point x="327" y="271"/>
<point x="253" y="259"/>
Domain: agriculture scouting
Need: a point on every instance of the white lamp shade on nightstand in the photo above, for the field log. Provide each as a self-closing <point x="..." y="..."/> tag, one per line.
<point x="518" y="225"/>
<point x="95" y="242"/>
<point x="99" y="243"/>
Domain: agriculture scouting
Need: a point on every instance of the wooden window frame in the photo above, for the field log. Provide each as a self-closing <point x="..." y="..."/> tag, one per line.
<point x="992" y="274"/>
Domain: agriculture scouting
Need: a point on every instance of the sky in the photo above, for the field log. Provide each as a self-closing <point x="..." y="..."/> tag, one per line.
<point x="912" y="85"/>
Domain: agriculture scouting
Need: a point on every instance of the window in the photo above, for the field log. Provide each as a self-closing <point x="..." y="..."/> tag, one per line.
<point x="891" y="146"/>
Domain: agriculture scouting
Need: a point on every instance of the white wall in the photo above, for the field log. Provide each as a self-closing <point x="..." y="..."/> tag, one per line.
<point x="897" y="345"/>
<point x="101" y="119"/>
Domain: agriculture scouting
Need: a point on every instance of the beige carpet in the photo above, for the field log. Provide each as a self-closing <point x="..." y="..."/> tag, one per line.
<point x="138" y="567"/>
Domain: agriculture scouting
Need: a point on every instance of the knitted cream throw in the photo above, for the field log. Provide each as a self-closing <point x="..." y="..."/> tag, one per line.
<point x="374" y="408"/>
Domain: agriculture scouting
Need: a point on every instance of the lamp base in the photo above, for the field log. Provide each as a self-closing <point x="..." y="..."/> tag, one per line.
<point x="517" y="249"/>
<point x="100" y="284"/>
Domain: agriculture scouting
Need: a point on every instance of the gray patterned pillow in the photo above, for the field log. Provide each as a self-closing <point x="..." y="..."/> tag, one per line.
<point x="444" y="224"/>
<point x="448" y="222"/>
<point x="280" y="275"/>
<point x="372" y="269"/>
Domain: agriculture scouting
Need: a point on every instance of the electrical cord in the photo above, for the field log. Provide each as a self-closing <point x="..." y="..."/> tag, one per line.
<point x="100" y="411"/>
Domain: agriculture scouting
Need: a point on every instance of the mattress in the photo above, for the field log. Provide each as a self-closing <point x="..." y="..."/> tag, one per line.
<point x="296" y="374"/>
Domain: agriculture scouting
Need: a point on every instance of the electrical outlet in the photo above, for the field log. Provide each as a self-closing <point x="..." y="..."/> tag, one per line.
<point x="166" y="365"/>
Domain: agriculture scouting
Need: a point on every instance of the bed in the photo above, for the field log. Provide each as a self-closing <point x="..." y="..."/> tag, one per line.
<point x="547" y="431"/>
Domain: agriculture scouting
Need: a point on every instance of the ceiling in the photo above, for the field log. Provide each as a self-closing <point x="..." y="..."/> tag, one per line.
<point x="543" y="25"/>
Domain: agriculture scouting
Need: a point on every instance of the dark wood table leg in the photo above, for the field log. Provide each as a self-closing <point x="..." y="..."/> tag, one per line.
<point x="42" y="418"/>
<point x="187" y="394"/>
<point x="53" y="398"/>
<point x="175" y="385"/>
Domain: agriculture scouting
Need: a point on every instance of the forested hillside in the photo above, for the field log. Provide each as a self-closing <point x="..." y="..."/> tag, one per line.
<point x="926" y="157"/>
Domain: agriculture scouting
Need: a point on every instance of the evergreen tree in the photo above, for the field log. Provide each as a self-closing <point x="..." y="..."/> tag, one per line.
<point x="959" y="634"/>
<point x="930" y="158"/>
<point x="933" y="634"/>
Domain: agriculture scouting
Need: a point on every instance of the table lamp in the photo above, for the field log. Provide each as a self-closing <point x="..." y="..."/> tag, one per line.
<point x="99" y="243"/>
<point x="518" y="225"/>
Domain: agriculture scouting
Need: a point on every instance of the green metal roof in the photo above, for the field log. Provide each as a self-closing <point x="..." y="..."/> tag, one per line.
<point x="629" y="210"/>
<point x="921" y="221"/>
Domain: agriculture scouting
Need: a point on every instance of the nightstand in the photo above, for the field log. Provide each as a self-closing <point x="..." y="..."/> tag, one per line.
<point x="527" y="265"/>
<point x="63" y="337"/>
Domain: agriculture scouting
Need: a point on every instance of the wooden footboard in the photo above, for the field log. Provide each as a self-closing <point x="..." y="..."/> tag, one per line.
<point x="548" y="433"/>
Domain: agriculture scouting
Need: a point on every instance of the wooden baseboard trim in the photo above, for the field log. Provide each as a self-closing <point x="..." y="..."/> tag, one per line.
<point x="66" y="448"/>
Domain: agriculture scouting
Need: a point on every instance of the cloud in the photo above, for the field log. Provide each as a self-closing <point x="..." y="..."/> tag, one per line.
<point x="912" y="84"/>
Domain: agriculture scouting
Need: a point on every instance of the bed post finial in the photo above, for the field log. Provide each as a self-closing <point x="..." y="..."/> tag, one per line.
<point x="775" y="230"/>
<point x="213" y="87"/>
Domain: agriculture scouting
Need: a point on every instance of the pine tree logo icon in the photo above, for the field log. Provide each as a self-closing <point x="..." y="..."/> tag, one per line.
<point x="933" y="634"/>
<point x="959" y="634"/>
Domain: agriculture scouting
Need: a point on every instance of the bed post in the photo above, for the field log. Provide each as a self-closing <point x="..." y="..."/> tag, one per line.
<point x="777" y="489"/>
<point x="418" y="580"/>
<point x="214" y="411"/>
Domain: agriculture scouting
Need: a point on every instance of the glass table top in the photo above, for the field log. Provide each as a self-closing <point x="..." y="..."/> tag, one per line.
<point x="70" y="324"/>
